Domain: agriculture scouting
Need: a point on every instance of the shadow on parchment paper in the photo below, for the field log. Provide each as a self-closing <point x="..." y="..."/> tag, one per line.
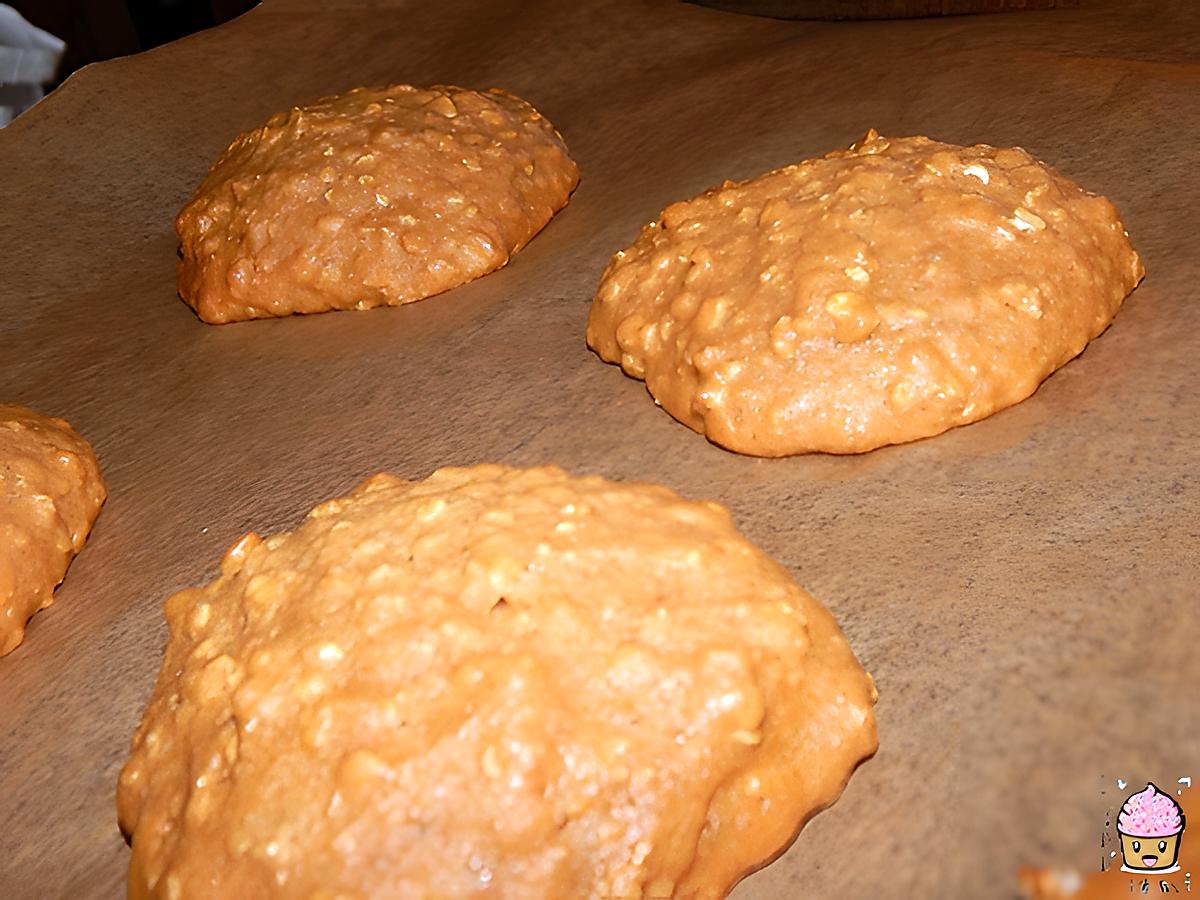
<point x="375" y="332"/>
<point x="878" y="9"/>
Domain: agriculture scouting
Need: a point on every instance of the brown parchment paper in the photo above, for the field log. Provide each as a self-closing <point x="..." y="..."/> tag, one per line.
<point x="1024" y="589"/>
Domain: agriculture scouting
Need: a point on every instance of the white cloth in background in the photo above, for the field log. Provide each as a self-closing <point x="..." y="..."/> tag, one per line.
<point x="29" y="58"/>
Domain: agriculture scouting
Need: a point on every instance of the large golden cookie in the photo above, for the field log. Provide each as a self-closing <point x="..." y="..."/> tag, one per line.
<point x="50" y="494"/>
<point x="371" y="198"/>
<point x="879" y="294"/>
<point x="511" y="682"/>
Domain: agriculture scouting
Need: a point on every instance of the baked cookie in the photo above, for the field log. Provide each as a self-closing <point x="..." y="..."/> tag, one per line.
<point x="50" y="494"/>
<point x="376" y="197"/>
<point x="494" y="681"/>
<point x="877" y="295"/>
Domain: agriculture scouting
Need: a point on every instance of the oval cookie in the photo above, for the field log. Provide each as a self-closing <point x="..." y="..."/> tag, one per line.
<point x="376" y="197"/>
<point x="877" y="295"/>
<point x="50" y="494"/>
<point x="494" y="681"/>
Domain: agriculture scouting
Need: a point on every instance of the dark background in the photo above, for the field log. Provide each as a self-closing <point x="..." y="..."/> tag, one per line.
<point x="101" y="29"/>
<point x="95" y="30"/>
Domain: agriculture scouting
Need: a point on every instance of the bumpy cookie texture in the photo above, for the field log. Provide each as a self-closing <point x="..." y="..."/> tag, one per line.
<point x="376" y="197"/>
<point x="880" y="294"/>
<point x="50" y="494"/>
<point x="500" y="682"/>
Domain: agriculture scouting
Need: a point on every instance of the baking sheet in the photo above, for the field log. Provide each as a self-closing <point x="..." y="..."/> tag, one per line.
<point x="1023" y="589"/>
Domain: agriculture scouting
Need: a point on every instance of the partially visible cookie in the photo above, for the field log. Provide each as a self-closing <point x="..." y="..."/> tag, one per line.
<point x="877" y="295"/>
<point x="376" y="197"/>
<point x="50" y="494"/>
<point x="492" y="682"/>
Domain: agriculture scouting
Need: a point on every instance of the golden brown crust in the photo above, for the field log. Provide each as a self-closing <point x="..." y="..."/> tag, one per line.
<point x="877" y="295"/>
<point x="494" y="681"/>
<point x="375" y="197"/>
<point x="50" y="494"/>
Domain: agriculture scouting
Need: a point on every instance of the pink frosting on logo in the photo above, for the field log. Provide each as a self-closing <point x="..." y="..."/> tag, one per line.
<point x="1150" y="813"/>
